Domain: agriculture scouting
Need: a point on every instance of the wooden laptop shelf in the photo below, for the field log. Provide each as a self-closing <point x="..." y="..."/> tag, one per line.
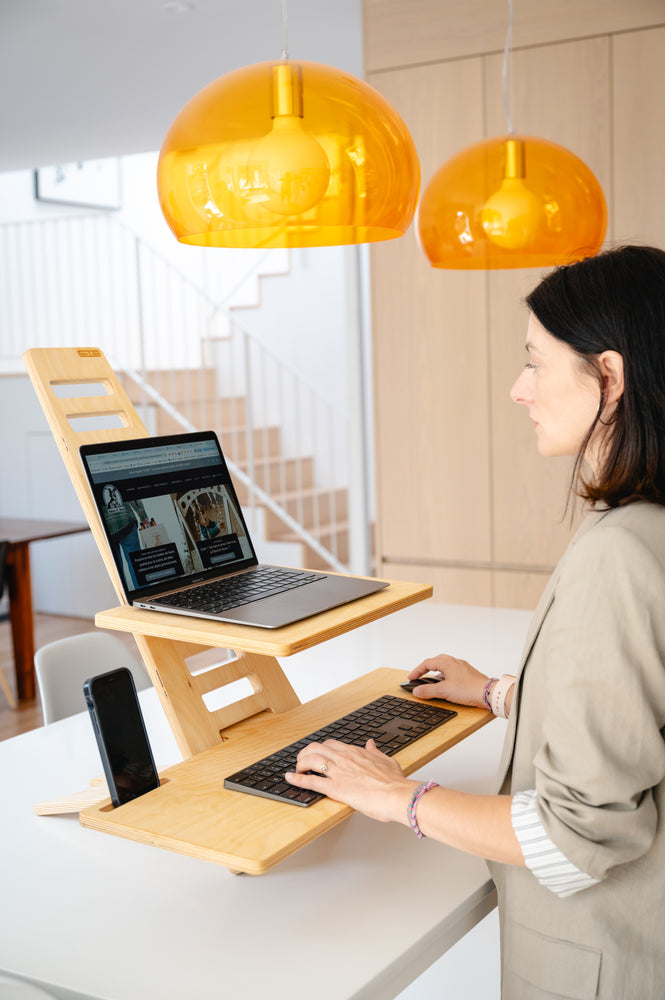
<point x="193" y="814"/>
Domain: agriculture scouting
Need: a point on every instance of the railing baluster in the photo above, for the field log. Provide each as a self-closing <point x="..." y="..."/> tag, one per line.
<point x="249" y="409"/>
<point x="315" y="494"/>
<point x="333" y="495"/>
<point x="281" y="423"/>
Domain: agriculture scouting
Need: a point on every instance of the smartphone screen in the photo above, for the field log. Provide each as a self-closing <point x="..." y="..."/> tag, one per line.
<point x="121" y="735"/>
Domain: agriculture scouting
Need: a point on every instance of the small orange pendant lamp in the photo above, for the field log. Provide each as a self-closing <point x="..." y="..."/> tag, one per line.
<point x="511" y="201"/>
<point x="287" y="154"/>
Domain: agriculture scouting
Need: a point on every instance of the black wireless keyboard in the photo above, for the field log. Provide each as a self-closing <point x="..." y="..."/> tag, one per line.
<point x="393" y="723"/>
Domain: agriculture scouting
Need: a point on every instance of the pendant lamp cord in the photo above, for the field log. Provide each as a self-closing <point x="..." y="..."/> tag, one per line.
<point x="285" y="49"/>
<point x="506" y="65"/>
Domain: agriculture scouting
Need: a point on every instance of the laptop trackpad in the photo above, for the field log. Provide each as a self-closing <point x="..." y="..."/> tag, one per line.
<point x="293" y="605"/>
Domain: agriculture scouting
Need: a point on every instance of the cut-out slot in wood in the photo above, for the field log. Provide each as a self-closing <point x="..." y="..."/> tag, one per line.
<point x="100" y="422"/>
<point x="77" y="390"/>
<point x="220" y="697"/>
<point x="108" y="807"/>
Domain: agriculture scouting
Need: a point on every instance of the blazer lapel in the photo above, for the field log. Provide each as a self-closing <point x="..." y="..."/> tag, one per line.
<point x="539" y="614"/>
<point x="542" y="608"/>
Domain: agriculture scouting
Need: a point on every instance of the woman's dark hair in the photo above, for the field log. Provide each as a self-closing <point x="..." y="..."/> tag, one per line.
<point x="616" y="302"/>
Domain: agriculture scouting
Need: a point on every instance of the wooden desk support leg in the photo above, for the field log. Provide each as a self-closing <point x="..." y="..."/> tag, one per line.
<point x="195" y="727"/>
<point x="20" y="614"/>
<point x="272" y="691"/>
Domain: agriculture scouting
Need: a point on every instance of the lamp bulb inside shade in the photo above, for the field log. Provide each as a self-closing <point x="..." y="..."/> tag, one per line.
<point x="287" y="171"/>
<point x="511" y="217"/>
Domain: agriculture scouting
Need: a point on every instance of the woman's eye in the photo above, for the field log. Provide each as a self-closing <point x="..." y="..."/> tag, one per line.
<point x="530" y="365"/>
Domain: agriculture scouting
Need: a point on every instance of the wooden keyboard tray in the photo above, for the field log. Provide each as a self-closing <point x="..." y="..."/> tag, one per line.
<point x="192" y="813"/>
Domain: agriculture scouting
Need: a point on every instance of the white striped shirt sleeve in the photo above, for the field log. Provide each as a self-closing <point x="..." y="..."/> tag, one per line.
<point x="543" y="859"/>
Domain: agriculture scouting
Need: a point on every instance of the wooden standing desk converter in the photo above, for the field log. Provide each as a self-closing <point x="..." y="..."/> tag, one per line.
<point x="191" y="812"/>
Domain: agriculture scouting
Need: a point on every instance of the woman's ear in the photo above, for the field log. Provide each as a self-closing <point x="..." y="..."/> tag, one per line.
<point x="611" y="367"/>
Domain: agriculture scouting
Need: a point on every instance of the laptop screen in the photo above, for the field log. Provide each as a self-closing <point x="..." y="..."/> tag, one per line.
<point x="169" y="510"/>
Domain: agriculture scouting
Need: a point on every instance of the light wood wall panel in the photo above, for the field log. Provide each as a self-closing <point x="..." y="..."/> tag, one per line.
<point x="639" y="136"/>
<point x="430" y="353"/>
<point x="412" y="32"/>
<point x="483" y="513"/>
<point x="451" y="585"/>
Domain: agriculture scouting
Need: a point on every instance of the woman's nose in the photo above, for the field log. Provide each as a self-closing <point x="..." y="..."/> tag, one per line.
<point x="519" y="392"/>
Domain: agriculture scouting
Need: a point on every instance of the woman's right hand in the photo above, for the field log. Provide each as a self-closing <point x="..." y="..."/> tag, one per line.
<point x="460" y="682"/>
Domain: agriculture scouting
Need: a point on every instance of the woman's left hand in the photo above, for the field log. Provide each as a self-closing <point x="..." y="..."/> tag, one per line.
<point x="361" y="777"/>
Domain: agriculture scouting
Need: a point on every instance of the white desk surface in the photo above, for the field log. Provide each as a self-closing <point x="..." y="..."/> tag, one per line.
<point x="359" y="913"/>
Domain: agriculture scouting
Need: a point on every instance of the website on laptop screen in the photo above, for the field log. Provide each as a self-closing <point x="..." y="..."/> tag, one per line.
<point x="170" y="513"/>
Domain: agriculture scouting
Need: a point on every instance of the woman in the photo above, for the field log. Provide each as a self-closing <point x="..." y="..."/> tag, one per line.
<point x="576" y="837"/>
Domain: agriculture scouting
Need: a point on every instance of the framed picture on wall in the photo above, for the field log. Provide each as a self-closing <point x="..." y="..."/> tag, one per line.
<point x="91" y="183"/>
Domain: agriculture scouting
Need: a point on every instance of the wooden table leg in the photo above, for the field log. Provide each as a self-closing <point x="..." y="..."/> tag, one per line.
<point x="20" y="616"/>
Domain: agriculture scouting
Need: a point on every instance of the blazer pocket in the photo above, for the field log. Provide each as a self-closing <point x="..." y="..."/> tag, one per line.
<point x="556" y="967"/>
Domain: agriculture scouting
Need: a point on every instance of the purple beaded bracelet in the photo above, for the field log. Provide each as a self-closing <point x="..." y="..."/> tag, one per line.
<point x="420" y="790"/>
<point x="486" y="693"/>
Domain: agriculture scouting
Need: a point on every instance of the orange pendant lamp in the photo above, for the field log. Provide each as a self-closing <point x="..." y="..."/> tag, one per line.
<point x="511" y="201"/>
<point x="287" y="154"/>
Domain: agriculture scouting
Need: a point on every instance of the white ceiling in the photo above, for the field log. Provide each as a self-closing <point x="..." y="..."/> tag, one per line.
<point x="84" y="79"/>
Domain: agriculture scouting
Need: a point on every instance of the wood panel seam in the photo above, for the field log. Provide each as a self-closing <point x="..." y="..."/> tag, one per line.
<point x="471" y="564"/>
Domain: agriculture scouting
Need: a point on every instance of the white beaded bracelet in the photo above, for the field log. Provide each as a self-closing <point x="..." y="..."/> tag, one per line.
<point x="501" y="689"/>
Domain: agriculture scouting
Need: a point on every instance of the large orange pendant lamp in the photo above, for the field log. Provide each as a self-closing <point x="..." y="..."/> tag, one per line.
<point x="511" y="201"/>
<point x="287" y="154"/>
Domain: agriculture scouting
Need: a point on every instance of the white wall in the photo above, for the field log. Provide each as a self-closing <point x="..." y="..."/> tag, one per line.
<point x="68" y="575"/>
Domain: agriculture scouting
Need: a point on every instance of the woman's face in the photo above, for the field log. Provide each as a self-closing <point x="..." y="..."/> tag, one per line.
<point x="562" y="399"/>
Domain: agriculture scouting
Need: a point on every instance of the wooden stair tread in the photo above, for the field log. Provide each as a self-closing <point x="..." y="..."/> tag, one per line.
<point x="268" y="459"/>
<point x="323" y="529"/>
<point x="308" y="491"/>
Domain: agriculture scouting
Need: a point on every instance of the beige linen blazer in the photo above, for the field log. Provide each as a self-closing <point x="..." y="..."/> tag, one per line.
<point x="586" y="731"/>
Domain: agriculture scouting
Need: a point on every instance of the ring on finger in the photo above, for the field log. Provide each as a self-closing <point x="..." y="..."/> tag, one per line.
<point x="324" y="767"/>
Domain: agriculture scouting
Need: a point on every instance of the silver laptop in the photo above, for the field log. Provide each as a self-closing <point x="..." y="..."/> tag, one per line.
<point x="180" y="542"/>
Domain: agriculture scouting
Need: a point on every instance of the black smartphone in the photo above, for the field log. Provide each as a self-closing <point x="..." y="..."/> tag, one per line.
<point x="410" y="685"/>
<point x="121" y="735"/>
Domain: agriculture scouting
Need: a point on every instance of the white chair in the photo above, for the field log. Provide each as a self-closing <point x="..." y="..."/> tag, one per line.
<point x="63" y="666"/>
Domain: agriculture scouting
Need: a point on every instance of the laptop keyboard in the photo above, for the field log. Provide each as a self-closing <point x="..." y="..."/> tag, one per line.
<point x="234" y="591"/>
<point x="392" y="722"/>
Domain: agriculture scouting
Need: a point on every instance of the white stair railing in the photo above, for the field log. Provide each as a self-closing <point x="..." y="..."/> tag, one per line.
<point x="256" y="493"/>
<point x="88" y="280"/>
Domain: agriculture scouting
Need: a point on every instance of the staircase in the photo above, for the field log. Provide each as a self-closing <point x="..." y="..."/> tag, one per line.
<point x="258" y="453"/>
<point x="189" y="364"/>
